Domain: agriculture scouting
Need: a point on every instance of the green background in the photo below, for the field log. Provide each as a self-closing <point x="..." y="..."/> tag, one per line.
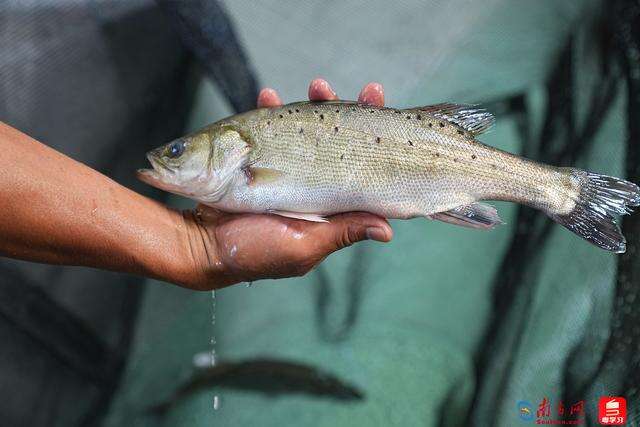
<point x="427" y="295"/>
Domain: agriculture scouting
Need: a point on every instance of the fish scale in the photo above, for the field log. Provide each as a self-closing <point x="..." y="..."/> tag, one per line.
<point x="369" y="160"/>
<point x="310" y="160"/>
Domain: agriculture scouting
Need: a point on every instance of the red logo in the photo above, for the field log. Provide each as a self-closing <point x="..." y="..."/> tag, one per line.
<point x="546" y="414"/>
<point x="612" y="411"/>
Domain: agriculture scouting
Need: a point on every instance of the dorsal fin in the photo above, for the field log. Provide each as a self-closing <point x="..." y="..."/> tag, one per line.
<point x="469" y="118"/>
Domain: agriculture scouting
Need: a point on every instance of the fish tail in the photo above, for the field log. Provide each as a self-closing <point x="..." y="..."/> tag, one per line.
<point x="600" y="199"/>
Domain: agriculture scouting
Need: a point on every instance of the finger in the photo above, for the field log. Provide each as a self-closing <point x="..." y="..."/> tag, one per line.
<point x="372" y="94"/>
<point x="320" y="90"/>
<point x="346" y="229"/>
<point x="268" y="98"/>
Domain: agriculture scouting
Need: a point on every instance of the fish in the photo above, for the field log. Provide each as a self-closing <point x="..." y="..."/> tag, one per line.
<point x="311" y="160"/>
<point x="271" y="377"/>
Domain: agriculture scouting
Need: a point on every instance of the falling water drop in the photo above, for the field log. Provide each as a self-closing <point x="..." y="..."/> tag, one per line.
<point x="216" y="398"/>
<point x="202" y="360"/>
<point x="213" y="328"/>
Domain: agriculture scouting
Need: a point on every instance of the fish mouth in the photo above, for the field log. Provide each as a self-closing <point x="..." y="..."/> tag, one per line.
<point x="149" y="176"/>
<point x="154" y="176"/>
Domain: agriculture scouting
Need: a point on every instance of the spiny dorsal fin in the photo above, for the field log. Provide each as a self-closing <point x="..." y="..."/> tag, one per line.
<point x="469" y="118"/>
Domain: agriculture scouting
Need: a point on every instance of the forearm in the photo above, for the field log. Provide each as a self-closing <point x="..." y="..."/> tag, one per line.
<point x="57" y="210"/>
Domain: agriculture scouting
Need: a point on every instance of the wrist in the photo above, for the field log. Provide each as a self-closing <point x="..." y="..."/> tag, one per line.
<point x="194" y="261"/>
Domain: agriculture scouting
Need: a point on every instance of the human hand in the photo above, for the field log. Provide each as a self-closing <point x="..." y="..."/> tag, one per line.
<point x="230" y="248"/>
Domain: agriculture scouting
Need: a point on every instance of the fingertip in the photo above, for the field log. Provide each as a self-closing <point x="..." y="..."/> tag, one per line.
<point x="369" y="226"/>
<point x="372" y="94"/>
<point x="379" y="231"/>
<point x="388" y="233"/>
<point x="268" y="98"/>
<point x="320" y="90"/>
<point x="376" y="233"/>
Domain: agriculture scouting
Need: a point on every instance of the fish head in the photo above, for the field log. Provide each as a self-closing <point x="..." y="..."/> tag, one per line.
<point x="176" y="166"/>
<point x="199" y="165"/>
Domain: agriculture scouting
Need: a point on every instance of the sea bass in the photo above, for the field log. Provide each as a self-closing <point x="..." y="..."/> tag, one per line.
<point x="309" y="160"/>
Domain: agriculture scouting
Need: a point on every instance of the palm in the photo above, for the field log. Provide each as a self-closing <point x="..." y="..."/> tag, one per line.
<point x="256" y="246"/>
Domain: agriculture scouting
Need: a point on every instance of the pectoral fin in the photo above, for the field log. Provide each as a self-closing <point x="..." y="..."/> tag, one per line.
<point x="299" y="215"/>
<point x="260" y="176"/>
<point x="475" y="215"/>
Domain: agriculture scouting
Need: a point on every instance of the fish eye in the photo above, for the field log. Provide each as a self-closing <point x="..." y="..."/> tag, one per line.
<point x="175" y="149"/>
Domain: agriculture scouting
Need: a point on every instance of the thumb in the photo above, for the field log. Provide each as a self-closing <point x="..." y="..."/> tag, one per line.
<point x="346" y="229"/>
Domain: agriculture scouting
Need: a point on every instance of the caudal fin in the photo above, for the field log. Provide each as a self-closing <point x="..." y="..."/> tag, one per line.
<point x="601" y="199"/>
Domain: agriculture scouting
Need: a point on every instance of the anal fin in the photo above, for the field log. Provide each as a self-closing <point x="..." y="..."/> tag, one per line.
<point x="475" y="215"/>
<point x="300" y="215"/>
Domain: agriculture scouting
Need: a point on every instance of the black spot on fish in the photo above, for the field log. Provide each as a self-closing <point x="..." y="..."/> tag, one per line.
<point x="408" y="117"/>
<point x="411" y="143"/>
<point x="460" y="131"/>
<point x="473" y="156"/>
<point x="372" y="111"/>
<point x="437" y="154"/>
<point x="337" y="111"/>
<point x="269" y="123"/>
<point x="455" y="159"/>
<point x="441" y="124"/>
<point x="430" y="124"/>
<point x="341" y="156"/>
<point x="315" y="111"/>
<point x="378" y="139"/>
<point x="419" y="117"/>
<point x="281" y="116"/>
<point x="321" y="116"/>
<point x="297" y="111"/>
<point x="290" y="112"/>
<point x="336" y="129"/>
<point x="493" y="166"/>
<point x="301" y="130"/>
<point x="398" y="111"/>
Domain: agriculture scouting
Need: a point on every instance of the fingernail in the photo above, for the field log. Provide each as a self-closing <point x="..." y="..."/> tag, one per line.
<point x="268" y="98"/>
<point x="320" y="85"/>
<point x="376" y="233"/>
<point x="374" y="87"/>
<point x="372" y="93"/>
<point x="329" y="88"/>
<point x="266" y="92"/>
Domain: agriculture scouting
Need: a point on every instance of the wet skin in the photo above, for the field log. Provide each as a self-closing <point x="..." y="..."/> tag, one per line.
<point x="59" y="211"/>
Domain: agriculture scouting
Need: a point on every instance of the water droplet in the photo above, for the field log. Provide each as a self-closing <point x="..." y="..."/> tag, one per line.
<point x="213" y="355"/>
<point x="203" y="360"/>
<point x="249" y="284"/>
<point x="213" y="328"/>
